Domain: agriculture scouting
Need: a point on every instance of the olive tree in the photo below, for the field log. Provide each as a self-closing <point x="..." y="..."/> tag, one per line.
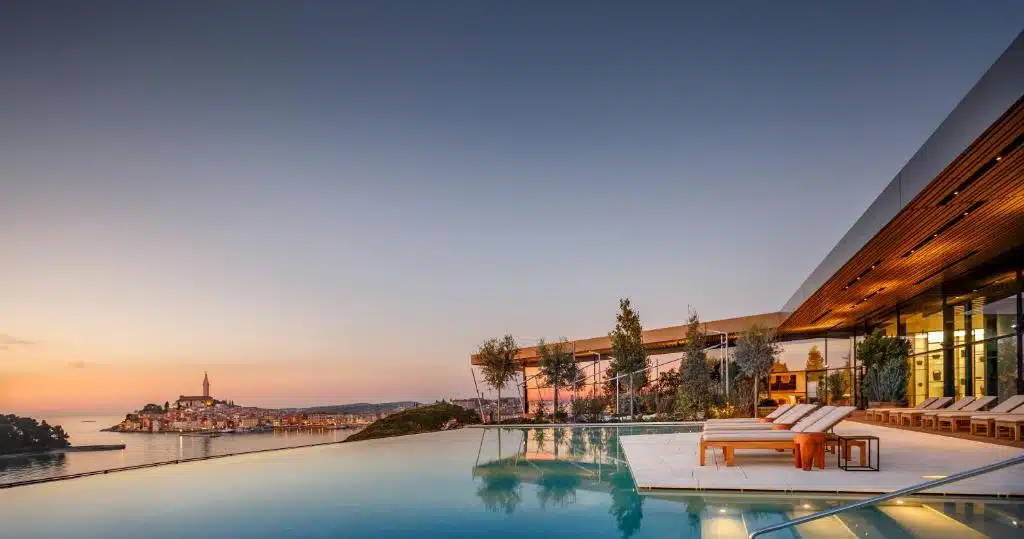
<point x="498" y="364"/>
<point x="756" y="352"/>
<point x="558" y="367"/>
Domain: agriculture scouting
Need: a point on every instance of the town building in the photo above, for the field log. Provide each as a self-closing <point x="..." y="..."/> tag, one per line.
<point x="197" y="401"/>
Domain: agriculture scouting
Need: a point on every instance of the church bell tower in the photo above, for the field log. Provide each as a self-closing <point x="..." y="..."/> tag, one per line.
<point x="206" y="385"/>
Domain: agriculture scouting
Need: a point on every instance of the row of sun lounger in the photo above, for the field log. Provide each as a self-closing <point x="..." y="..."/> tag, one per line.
<point x="940" y="413"/>
<point x="788" y="424"/>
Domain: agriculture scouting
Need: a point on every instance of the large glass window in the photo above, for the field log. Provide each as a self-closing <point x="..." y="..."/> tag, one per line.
<point x="924" y="331"/>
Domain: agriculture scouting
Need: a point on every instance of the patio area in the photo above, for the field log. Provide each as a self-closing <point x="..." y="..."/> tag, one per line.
<point x="670" y="461"/>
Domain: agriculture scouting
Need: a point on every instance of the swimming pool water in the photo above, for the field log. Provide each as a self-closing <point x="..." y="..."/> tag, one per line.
<point x="492" y="483"/>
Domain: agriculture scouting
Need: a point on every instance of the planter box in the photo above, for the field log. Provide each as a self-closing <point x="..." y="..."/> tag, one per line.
<point x="765" y="410"/>
<point x="886" y="404"/>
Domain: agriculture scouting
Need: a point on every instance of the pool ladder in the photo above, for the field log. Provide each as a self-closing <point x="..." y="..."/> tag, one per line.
<point x="960" y="476"/>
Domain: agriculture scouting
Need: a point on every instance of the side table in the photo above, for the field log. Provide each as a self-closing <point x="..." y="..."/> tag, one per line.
<point x="870" y="453"/>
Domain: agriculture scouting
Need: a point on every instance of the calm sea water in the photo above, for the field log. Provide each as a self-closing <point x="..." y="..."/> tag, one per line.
<point x="145" y="448"/>
<point x="489" y="483"/>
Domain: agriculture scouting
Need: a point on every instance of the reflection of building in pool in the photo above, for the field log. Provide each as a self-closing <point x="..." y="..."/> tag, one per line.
<point x="558" y="463"/>
<point x="786" y="386"/>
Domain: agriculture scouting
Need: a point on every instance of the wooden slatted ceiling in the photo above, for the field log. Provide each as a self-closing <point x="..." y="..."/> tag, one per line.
<point x="995" y="226"/>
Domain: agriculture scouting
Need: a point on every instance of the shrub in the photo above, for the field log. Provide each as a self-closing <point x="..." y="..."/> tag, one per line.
<point x="886" y="367"/>
<point x="589" y="409"/>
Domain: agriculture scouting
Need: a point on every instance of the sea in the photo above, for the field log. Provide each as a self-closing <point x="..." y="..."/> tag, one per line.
<point x="144" y="448"/>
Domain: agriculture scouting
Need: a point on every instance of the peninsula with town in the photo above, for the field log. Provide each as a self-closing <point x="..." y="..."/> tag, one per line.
<point x="205" y="415"/>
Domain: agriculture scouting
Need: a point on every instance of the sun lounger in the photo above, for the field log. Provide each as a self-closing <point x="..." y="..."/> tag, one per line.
<point x="766" y="419"/>
<point x="882" y="414"/>
<point x="785" y="421"/>
<point x="730" y="441"/>
<point x="912" y="418"/>
<point x="1012" y="424"/>
<point x="983" y="423"/>
<point x="806" y="415"/>
<point x="893" y="415"/>
<point x="953" y="419"/>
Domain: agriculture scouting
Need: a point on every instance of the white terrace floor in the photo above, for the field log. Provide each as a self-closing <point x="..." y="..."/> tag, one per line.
<point x="669" y="461"/>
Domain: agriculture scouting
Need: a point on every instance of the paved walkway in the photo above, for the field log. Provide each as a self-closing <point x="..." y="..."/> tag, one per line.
<point x="670" y="461"/>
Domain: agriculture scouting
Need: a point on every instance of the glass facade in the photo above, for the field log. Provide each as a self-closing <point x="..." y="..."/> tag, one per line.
<point x="964" y="334"/>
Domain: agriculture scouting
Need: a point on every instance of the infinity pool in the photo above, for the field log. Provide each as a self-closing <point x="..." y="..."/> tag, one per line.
<point x="492" y="483"/>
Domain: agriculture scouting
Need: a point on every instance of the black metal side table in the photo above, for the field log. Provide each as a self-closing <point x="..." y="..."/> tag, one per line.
<point x="870" y="453"/>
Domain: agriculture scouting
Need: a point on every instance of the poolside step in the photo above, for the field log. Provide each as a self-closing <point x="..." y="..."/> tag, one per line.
<point x="728" y="525"/>
<point x="755" y="520"/>
<point x="993" y="520"/>
<point x="828" y="527"/>
<point x="869" y="522"/>
<point x="925" y="522"/>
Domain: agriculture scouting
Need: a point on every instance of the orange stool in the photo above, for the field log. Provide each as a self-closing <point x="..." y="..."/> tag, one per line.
<point x="809" y="448"/>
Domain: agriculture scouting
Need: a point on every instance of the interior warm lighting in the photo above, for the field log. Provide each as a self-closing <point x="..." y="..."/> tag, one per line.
<point x="899" y="502"/>
<point x="934" y="476"/>
<point x="721" y="510"/>
<point x="807" y="506"/>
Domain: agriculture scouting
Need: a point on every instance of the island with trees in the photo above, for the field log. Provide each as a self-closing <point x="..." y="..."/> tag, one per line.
<point x="26" y="435"/>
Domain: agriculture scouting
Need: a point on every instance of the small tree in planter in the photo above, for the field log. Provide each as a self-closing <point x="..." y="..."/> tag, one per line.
<point x="885" y="368"/>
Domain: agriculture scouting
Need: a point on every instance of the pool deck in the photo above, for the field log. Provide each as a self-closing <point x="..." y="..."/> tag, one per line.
<point x="670" y="461"/>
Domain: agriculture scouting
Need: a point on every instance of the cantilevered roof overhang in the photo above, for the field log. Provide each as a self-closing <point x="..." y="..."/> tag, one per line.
<point x="957" y="203"/>
<point x="658" y="341"/>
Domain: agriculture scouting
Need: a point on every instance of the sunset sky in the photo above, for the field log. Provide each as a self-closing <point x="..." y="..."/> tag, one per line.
<point x="323" y="202"/>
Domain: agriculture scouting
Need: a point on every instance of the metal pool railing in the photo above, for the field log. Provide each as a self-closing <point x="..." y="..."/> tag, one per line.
<point x="960" y="476"/>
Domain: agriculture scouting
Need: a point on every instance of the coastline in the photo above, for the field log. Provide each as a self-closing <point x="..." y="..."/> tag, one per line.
<point x="62" y="450"/>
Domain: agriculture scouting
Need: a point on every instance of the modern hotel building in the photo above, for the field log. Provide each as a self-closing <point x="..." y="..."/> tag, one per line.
<point x="937" y="258"/>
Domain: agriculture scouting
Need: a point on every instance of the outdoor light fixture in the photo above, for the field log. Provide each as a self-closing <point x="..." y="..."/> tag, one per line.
<point x="982" y="170"/>
<point x="820" y="316"/>
<point x="862" y="274"/>
<point x="949" y="224"/>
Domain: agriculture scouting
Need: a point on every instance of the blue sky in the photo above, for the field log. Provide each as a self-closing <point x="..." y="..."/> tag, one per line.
<point x="346" y="198"/>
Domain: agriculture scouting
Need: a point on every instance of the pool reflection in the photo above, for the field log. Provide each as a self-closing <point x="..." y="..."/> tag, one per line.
<point x="559" y="462"/>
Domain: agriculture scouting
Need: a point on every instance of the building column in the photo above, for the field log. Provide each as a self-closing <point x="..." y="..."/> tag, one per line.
<point x="1020" y="328"/>
<point x="853" y="368"/>
<point x="948" y="363"/>
<point x="968" y="351"/>
<point x="991" y="355"/>
<point x="526" y="393"/>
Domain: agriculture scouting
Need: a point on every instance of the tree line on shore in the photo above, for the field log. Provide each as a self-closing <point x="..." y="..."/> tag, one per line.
<point x="24" y="434"/>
